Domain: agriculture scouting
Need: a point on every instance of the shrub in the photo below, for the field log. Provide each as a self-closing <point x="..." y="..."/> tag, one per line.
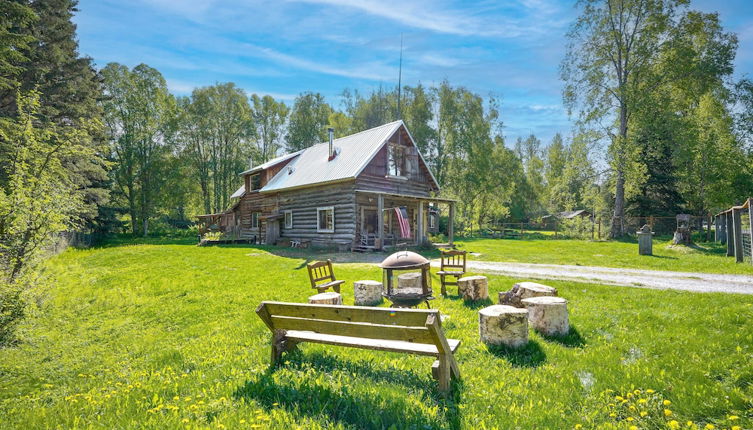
<point x="577" y="228"/>
<point x="12" y="311"/>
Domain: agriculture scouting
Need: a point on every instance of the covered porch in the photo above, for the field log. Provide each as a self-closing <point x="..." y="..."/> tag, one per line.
<point x="422" y="217"/>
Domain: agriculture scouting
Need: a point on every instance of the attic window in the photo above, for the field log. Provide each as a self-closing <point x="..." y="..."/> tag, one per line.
<point x="255" y="182"/>
<point x="397" y="163"/>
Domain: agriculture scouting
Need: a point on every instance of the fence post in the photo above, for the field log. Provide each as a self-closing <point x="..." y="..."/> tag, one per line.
<point x="716" y="228"/>
<point x="730" y="234"/>
<point x="750" y="221"/>
<point x="738" y="235"/>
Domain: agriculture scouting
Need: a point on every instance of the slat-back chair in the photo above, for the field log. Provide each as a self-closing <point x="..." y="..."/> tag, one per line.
<point x="453" y="264"/>
<point x="322" y="276"/>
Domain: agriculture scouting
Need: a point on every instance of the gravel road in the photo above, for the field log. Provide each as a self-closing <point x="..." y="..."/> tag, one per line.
<point x="656" y="279"/>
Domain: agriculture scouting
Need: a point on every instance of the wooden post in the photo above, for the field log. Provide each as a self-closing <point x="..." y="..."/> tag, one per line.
<point x="750" y="221"/>
<point x="730" y="234"/>
<point x="420" y="226"/>
<point x="380" y="221"/>
<point x="723" y="228"/>
<point x="738" y="235"/>
<point x="451" y="224"/>
<point x="716" y="229"/>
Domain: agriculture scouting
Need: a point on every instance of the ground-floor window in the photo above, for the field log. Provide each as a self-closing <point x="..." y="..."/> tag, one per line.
<point x="325" y="219"/>
<point x="288" y="219"/>
<point x="254" y="219"/>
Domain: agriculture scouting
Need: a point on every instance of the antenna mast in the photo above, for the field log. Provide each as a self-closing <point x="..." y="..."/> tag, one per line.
<point x="400" y="79"/>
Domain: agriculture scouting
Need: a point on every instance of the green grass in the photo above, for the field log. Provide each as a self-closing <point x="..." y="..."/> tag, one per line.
<point x="701" y="257"/>
<point x="165" y="336"/>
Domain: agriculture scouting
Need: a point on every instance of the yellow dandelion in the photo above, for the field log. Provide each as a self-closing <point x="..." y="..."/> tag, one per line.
<point x="633" y="427"/>
<point x="629" y="419"/>
<point x="644" y="413"/>
<point x="612" y="415"/>
<point x="736" y="428"/>
<point x="666" y="403"/>
<point x="629" y="395"/>
<point x="243" y="421"/>
<point x="689" y="424"/>
<point x="641" y="401"/>
<point x="176" y="398"/>
<point x="674" y="425"/>
<point x="632" y="408"/>
<point x="578" y="426"/>
<point x="732" y="417"/>
<point x="185" y="420"/>
<point x="618" y="398"/>
<point x="650" y="391"/>
<point x="710" y="427"/>
<point x="667" y="412"/>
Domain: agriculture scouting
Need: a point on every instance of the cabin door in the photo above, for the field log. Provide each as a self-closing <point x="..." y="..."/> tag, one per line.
<point x="369" y="225"/>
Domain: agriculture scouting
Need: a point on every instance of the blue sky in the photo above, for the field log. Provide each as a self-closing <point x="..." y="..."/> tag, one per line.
<point x="283" y="47"/>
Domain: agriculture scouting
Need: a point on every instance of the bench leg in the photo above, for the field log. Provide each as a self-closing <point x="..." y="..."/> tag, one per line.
<point x="443" y="374"/>
<point x="279" y="345"/>
<point x="444" y="286"/>
<point x="336" y="288"/>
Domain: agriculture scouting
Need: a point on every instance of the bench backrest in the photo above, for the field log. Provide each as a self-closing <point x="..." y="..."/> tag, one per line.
<point x="320" y="271"/>
<point x="453" y="259"/>
<point x="411" y="325"/>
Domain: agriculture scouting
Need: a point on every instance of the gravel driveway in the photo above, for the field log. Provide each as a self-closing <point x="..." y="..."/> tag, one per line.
<point x="656" y="279"/>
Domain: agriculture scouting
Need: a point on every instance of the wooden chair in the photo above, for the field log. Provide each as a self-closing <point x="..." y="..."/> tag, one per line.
<point x="453" y="264"/>
<point x="410" y="331"/>
<point x="322" y="271"/>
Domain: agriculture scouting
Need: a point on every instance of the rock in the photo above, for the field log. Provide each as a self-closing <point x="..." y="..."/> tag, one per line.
<point x="473" y="288"/>
<point x="548" y="315"/>
<point x="502" y="325"/>
<point x="330" y="298"/>
<point x="367" y="293"/>
<point x="524" y="290"/>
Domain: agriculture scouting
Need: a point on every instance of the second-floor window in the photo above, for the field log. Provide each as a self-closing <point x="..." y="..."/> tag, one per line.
<point x="255" y="182"/>
<point x="397" y="163"/>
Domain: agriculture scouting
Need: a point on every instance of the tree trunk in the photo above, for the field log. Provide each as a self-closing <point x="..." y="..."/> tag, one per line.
<point x="618" y="220"/>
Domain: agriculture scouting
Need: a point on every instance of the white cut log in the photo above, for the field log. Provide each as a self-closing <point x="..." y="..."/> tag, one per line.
<point x="409" y="283"/>
<point x="501" y="325"/>
<point x="330" y="298"/>
<point x="525" y="290"/>
<point x="473" y="287"/>
<point x="548" y="315"/>
<point x="367" y="293"/>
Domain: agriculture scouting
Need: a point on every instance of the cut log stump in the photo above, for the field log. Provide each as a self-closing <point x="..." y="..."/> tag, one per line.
<point x="548" y="315"/>
<point x="367" y="293"/>
<point x="524" y="290"/>
<point x="330" y="298"/>
<point x="501" y="325"/>
<point x="473" y="288"/>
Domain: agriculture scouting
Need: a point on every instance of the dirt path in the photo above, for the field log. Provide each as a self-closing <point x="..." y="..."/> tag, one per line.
<point x="656" y="279"/>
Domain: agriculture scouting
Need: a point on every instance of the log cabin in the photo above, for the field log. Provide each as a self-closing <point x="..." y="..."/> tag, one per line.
<point x="334" y="194"/>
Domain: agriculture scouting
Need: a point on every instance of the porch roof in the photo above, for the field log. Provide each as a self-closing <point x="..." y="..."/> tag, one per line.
<point x="408" y="196"/>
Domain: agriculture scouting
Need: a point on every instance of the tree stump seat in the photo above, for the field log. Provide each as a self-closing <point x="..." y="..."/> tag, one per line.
<point x="524" y="290"/>
<point x="330" y="298"/>
<point x="502" y="325"/>
<point x="548" y="315"/>
<point x="367" y="293"/>
<point x="473" y="287"/>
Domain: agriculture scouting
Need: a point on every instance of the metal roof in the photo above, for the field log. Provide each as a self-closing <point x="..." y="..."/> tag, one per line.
<point x="271" y="163"/>
<point x="239" y="192"/>
<point x="313" y="167"/>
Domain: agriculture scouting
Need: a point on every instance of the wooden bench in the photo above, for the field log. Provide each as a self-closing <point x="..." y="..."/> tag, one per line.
<point x="411" y="331"/>
<point x="322" y="271"/>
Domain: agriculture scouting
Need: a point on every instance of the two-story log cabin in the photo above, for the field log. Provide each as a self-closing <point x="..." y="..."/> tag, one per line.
<point x="335" y="193"/>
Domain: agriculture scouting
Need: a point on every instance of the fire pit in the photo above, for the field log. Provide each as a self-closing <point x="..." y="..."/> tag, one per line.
<point x="407" y="279"/>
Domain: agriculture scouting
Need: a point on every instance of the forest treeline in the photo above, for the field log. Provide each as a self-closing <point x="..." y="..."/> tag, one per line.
<point x="662" y="127"/>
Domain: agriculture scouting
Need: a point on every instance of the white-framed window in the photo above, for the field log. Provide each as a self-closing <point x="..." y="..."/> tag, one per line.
<point x="325" y="219"/>
<point x="432" y="221"/>
<point x="254" y="219"/>
<point x="288" y="219"/>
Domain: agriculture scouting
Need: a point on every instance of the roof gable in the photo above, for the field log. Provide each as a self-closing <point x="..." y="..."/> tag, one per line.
<point x="311" y="166"/>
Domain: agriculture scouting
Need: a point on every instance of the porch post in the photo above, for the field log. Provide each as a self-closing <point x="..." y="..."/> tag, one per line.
<point x="420" y="224"/>
<point x="450" y="223"/>
<point x="380" y="220"/>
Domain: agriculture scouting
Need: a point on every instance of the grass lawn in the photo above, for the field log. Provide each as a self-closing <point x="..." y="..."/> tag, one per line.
<point x="702" y="257"/>
<point x="165" y="336"/>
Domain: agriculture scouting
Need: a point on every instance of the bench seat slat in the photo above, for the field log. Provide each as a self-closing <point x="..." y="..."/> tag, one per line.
<point x="375" y="344"/>
<point x="386" y="316"/>
<point x="354" y="329"/>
